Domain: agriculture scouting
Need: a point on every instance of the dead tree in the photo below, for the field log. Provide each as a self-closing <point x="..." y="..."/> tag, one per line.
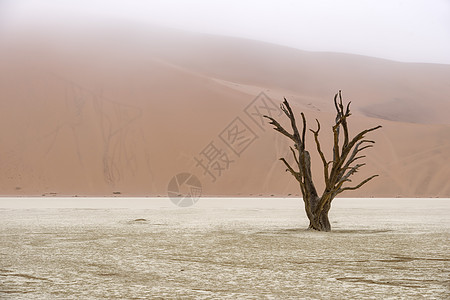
<point x="336" y="172"/>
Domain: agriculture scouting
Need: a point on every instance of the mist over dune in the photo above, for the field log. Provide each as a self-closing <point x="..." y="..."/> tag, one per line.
<point x="97" y="111"/>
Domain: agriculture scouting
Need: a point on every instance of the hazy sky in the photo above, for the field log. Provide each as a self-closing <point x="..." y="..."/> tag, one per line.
<point x="408" y="30"/>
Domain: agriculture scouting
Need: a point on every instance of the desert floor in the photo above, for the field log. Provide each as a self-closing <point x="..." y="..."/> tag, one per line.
<point x="222" y="248"/>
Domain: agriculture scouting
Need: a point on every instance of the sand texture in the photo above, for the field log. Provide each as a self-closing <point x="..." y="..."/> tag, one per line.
<point x="379" y="249"/>
<point x="97" y="111"/>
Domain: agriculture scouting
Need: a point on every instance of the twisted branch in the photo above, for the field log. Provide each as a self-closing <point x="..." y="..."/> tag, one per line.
<point x="342" y="165"/>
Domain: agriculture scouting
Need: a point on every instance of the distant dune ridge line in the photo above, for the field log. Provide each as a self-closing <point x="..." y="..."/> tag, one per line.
<point x="98" y="116"/>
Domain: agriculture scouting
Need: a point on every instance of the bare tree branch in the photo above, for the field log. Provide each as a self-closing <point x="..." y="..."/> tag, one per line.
<point x="295" y="156"/>
<point x="288" y="111"/>
<point x="343" y="165"/>
<point x="303" y="131"/>
<point x="358" y="186"/>
<point x="335" y="144"/>
<point x="342" y="158"/>
<point x="322" y="156"/>
<point x="289" y="168"/>
<point x="297" y="175"/>
<point x="279" y="128"/>
<point x="352" y="171"/>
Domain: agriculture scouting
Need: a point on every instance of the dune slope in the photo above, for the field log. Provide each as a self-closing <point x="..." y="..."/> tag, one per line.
<point x="124" y="115"/>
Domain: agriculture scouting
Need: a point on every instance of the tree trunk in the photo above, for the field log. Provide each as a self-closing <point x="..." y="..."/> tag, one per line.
<point x="317" y="220"/>
<point x="343" y="166"/>
<point x="323" y="223"/>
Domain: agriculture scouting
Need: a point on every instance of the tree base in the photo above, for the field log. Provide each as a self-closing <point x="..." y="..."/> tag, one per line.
<point x="326" y="229"/>
<point x="321" y="223"/>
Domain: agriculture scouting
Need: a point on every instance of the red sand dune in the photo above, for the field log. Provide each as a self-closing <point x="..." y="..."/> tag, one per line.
<point x="87" y="114"/>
